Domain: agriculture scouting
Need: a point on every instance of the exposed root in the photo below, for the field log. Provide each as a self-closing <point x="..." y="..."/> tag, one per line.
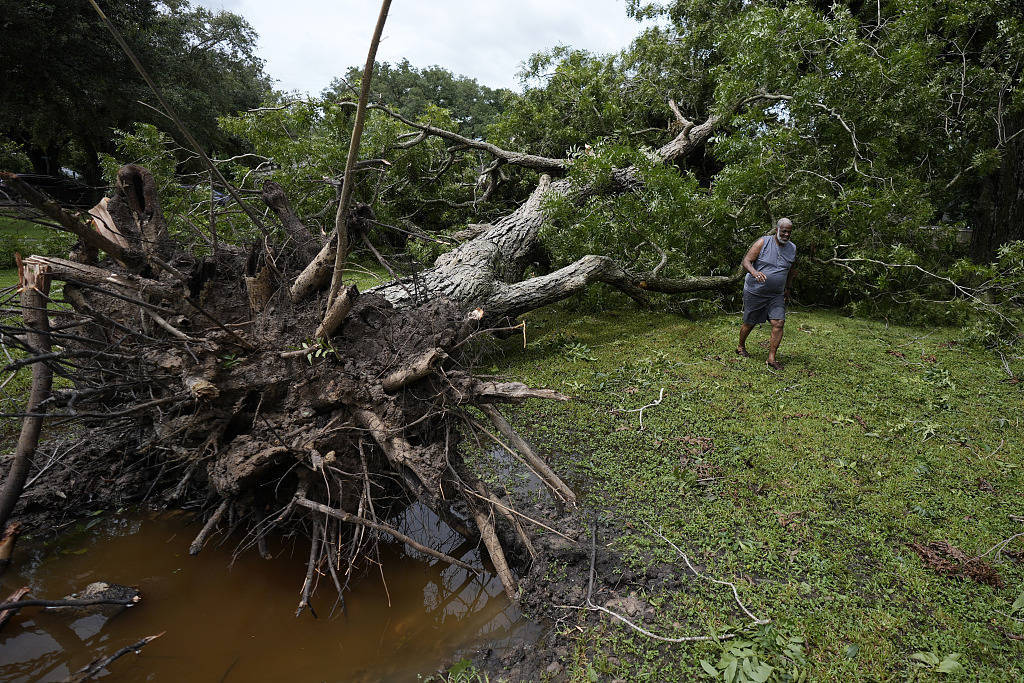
<point x="207" y="381"/>
<point x="207" y="529"/>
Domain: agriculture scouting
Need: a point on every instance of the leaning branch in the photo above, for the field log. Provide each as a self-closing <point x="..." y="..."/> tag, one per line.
<point x="341" y="218"/>
<point x="34" y="295"/>
<point x="95" y="668"/>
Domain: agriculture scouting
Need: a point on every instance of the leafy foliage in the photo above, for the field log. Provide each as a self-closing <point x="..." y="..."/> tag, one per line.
<point x="875" y="135"/>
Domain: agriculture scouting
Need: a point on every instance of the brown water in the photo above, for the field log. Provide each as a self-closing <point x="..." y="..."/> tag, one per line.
<point x="236" y="622"/>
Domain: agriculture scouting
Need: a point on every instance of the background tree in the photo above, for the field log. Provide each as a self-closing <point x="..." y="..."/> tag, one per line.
<point x="65" y="87"/>
<point x="411" y="91"/>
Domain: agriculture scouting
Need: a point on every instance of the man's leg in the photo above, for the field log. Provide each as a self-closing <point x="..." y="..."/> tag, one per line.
<point x="745" y="329"/>
<point x="777" y="326"/>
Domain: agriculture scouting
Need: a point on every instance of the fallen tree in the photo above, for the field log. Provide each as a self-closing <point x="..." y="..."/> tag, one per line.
<point x="245" y="386"/>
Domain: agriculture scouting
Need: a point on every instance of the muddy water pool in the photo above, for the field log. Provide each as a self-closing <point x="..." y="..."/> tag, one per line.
<point x="234" y="621"/>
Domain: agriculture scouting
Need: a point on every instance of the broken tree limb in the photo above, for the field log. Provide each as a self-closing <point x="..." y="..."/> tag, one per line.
<point x="69" y="223"/>
<point x="305" y="244"/>
<point x="543" y="290"/>
<point x="62" y="269"/>
<point x="495" y="552"/>
<point x="419" y="368"/>
<point x="84" y="602"/>
<point x="537" y="163"/>
<point x="137" y="197"/>
<point x="336" y="312"/>
<point x="536" y="462"/>
<point x="341" y="218"/>
<point x="353" y="519"/>
<point x="34" y="297"/>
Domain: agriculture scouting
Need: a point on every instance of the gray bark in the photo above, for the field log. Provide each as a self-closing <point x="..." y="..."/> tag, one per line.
<point x="487" y="271"/>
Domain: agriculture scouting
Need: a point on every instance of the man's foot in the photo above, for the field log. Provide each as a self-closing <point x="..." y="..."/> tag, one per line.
<point x="774" y="365"/>
<point x="740" y="351"/>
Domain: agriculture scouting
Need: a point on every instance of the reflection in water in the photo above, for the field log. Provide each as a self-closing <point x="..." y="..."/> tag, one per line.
<point x="234" y="622"/>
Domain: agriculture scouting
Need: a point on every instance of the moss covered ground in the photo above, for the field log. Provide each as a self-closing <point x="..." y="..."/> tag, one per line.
<point x="805" y="487"/>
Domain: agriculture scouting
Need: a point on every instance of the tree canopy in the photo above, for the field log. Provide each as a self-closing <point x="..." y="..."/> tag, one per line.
<point x="412" y="91"/>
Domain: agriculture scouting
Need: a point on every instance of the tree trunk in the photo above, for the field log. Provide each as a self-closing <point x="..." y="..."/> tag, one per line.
<point x="34" y="300"/>
<point x="1000" y="204"/>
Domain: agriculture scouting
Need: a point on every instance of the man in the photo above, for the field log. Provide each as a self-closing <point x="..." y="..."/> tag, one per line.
<point x="769" y="266"/>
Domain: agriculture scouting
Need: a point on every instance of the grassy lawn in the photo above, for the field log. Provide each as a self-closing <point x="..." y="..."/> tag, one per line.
<point x="804" y="487"/>
<point x="8" y="277"/>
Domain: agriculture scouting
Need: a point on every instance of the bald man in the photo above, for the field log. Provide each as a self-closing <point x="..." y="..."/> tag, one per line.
<point x="769" y="266"/>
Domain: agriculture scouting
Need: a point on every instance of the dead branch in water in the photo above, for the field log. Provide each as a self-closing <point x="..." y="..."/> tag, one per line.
<point x="97" y="667"/>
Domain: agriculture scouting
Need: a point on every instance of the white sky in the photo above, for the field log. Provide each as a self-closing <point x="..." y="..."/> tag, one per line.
<point x="306" y="43"/>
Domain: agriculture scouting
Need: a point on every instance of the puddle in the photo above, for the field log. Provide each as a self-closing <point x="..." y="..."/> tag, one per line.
<point x="227" y="622"/>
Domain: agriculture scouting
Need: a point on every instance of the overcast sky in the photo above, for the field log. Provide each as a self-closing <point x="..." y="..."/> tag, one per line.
<point x="306" y="43"/>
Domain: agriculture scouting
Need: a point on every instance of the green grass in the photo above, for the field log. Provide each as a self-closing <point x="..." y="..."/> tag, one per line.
<point x="804" y="487"/>
<point x="8" y="277"/>
<point x="29" y="238"/>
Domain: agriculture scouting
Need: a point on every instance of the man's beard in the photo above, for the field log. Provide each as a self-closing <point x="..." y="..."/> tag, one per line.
<point x="778" y="236"/>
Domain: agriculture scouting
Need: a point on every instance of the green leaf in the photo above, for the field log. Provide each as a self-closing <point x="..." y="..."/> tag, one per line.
<point x="592" y="674"/>
<point x="851" y="651"/>
<point x="706" y="665"/>
<point x="460" y="667"/>
<point x="730" y="671"/>
<point x="762" y="673"/>
<point x="1018" y="604"/>
<point x="929" y="658"/>
<point x="949" y="665"/>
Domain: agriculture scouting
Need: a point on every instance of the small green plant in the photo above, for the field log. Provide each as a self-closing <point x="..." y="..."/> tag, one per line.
<point x="1018" y="604"/>
<point x="933" y="662"/>
<point x="768" y="656"/>
<point x="319" y="348"/>
<point x="230" y="360"/>
<point x="578" y="351"/>
<point x="463" y="671"/>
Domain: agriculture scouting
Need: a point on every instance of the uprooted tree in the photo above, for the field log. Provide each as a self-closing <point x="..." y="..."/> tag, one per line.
<point x="251" y="380"/>
<point x="232" y="371"/>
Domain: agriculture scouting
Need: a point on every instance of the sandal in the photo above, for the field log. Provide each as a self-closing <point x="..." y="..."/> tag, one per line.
<point x="742" y="353"/>
<point x="774" y="366"/>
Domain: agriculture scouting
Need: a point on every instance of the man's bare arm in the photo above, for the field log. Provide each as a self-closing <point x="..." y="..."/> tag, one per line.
<point x="750" y="257"/>
<point x="789" y="280"/>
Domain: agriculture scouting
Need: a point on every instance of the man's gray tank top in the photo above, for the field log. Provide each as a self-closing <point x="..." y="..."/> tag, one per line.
<point x="774" y="261"/>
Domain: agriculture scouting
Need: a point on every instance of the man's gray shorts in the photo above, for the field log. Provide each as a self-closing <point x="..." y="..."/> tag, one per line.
<point x="758" y="308"/>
